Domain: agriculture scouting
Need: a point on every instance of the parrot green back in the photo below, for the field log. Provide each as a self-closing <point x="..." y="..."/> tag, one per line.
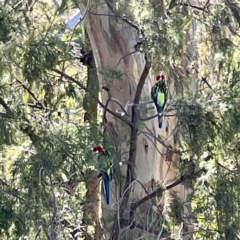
<point x="160" y="101"/>
<point x="105" y="162"/>
<point x="159" y="95"/>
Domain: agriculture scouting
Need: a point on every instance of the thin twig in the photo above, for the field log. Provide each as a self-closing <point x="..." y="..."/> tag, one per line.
<point x="151" y="117"/>
<point x="146" y="134"/>
<point x="204" y="79"/>
<point x="39" y="105"/>
<point x="110" y="98"/>
<point x="157" y="191"/>
<point x="196" y="7"/>
<point x="125" y="57"/>
<point x="87" y="90"/>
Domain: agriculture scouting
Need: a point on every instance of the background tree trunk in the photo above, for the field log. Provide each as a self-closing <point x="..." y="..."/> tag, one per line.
<point x="91" y="213"/>
<point x="113" y="40"/>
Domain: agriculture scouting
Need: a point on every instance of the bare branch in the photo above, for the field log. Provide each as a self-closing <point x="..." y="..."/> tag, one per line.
<point x="132" y="152"/>
<point x="30" y="92"/>
<point x="110" y="98"/>
<point x="169" y="147"/>
<point x="37" y="106"/>
<point x="141" y="82"/>
<point x="131" y="222"/>
<point x="107" y="102"/>
<point x="149" y="137"/>
<point x="116" y="15"/>
<point x="124" y="19"/>
<point x="219" y="164"/>
<point x="146" y="198"/>
<point x="159" y="191"/>
<point x="120" y="104"/>
<point x="196" y="7"/>
<point x="125" y="57"/>
<point x="179" y="181"/>
<point x="38" y="232"/>
<point x="86" y="89"/>
<point x="205" y="80"/>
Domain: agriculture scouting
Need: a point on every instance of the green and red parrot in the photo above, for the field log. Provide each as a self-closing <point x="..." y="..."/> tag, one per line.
<point x="159" y="95"/>
<point x="105" y="166"/>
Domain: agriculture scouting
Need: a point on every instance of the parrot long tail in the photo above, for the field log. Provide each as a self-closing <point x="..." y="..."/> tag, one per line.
<point x="106" y="186"/>
<point x="160" y="121"/>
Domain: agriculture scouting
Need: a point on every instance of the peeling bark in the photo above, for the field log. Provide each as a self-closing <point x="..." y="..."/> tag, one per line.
<point x="113" y="40"/>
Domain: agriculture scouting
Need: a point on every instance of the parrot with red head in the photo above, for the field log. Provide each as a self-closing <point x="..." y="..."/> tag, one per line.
<point x="105" y="166"/>
<point x="159" y="95"/>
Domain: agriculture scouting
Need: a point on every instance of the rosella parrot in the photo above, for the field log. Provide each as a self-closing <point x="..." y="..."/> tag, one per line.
<point x="159" y="96"/>
<point x="105" y="166"/>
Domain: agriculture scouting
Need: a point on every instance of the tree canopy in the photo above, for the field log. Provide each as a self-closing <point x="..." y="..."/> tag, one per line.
<point x="51" y="115"/>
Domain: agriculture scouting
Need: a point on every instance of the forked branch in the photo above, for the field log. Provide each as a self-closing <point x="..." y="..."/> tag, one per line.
<point x="132" y="152"/>
<point x="87" y="90"/>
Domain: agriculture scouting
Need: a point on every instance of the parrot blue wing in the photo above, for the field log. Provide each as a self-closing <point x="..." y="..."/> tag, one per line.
<point x="105" y="166"/>
<point x="106" y="186"/>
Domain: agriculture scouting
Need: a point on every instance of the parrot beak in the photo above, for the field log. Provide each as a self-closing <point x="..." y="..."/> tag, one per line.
<point x="96" y="152"/>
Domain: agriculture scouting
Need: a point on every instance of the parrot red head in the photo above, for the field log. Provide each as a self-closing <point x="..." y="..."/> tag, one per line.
<point x="98" y="148"/>
<point x="160" y="77"/>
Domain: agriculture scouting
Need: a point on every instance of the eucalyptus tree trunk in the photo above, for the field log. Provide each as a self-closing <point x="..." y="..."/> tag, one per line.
<point x="91" y="214"/>
<point x="121" y="72"/>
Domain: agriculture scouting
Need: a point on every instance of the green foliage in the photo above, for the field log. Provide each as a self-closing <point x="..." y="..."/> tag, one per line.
<point x="176" y="210"/>
<point x="46" y="147"/>
<point x="200" y="46"/>
<point x="46" y="156"/>
<point x="191" y="125"/>
<point x="209" y="129"/>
